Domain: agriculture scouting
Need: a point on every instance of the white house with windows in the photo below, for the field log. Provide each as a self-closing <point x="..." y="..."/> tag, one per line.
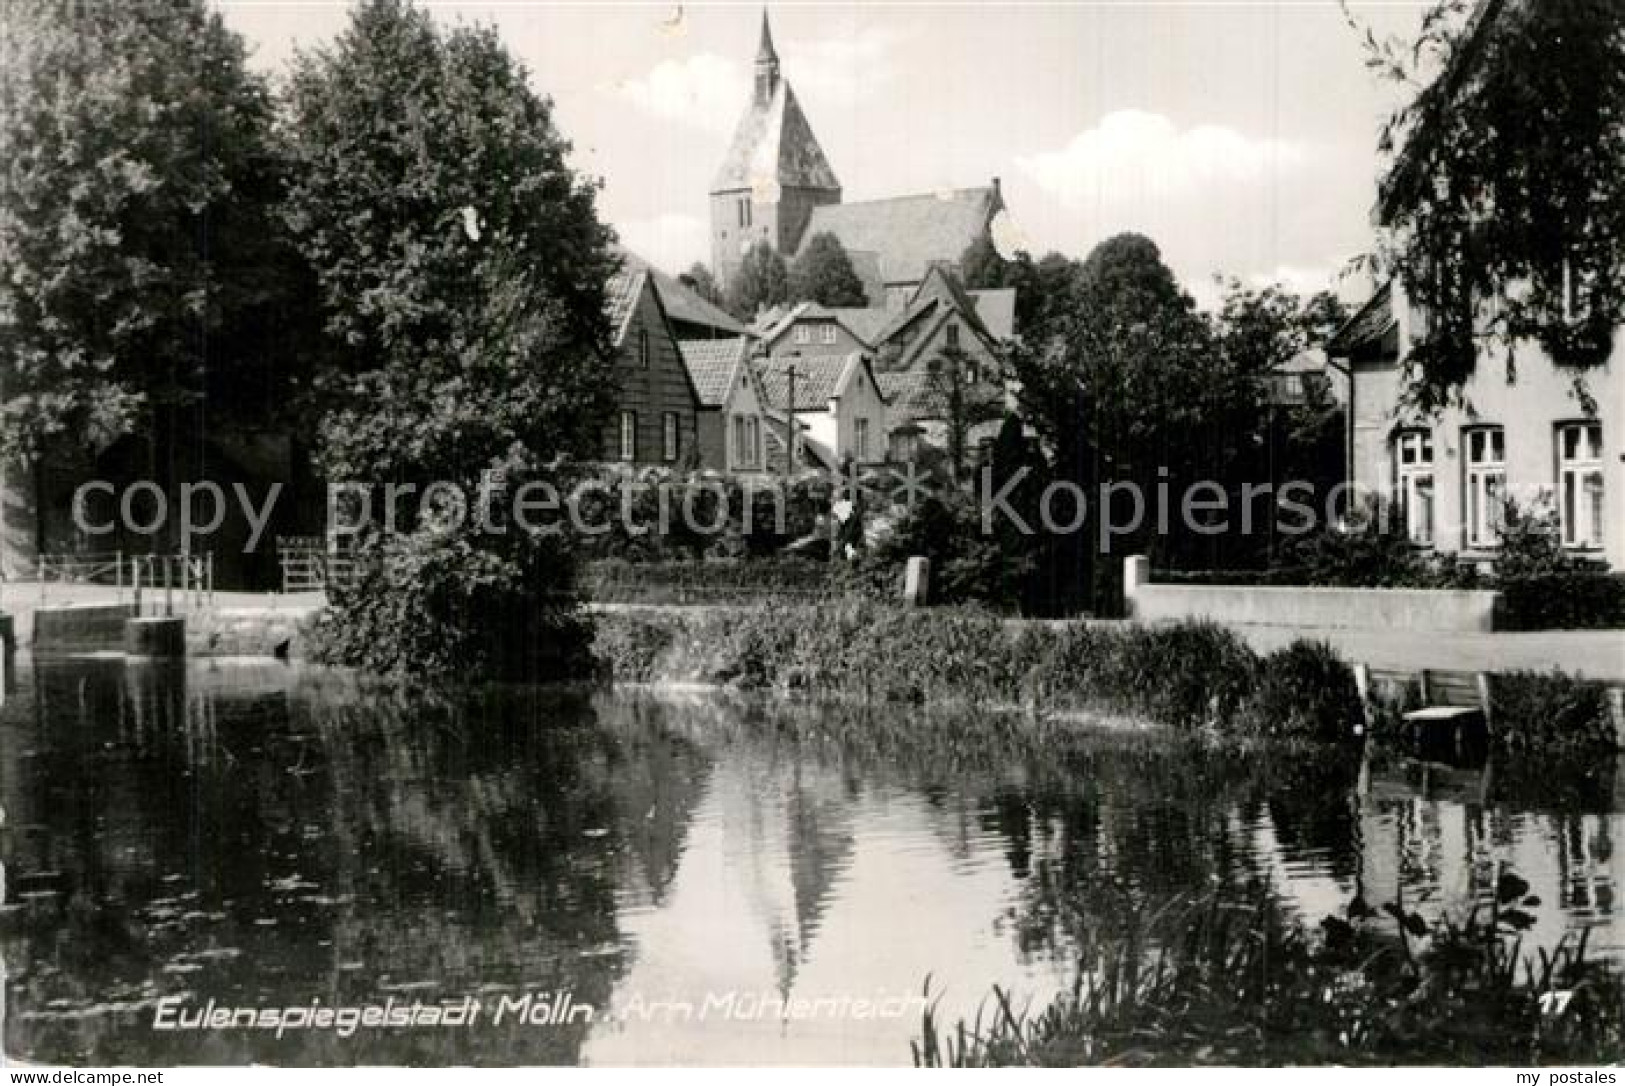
<point x="1548" y="435"/>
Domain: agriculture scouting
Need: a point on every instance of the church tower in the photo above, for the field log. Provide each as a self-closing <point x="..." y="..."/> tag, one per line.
<point x="774" y="174"/>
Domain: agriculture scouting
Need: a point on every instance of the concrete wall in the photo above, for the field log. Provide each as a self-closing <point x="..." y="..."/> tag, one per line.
<point x="1339" y="608"/>
<point x="84" y="628"/>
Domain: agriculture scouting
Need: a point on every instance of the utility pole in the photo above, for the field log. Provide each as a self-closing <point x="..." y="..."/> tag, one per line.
<point x="790" y="422"/>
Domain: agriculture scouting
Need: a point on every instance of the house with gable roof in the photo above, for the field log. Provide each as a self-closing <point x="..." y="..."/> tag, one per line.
<point x="656" y="401"/>
<point x="732" y="414"/>
<point x="837" y="405"/>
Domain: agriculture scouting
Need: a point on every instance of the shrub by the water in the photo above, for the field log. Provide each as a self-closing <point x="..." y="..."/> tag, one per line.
<point x="1550" y="712"/>
<point x="1305" y="691"/>
<point x="436" y="605"/>
<point x="1225" y="982"/>
<point x="1184" y="675"/>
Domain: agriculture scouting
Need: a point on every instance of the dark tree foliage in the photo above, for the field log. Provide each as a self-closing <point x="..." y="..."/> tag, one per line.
<point x="823" y="273"/>
<point x="1505" y="198"/>
<point x="462" y="268"/>
<point x="761" y="282"/>
<point x="460" y="258"/>
<point x="144" y="277"/>
<point x="699" y="279"/>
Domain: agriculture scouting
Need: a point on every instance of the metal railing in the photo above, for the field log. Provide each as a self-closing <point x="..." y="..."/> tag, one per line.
<point x="309" y="564"/>
<point x="161" y="583"/>
<point x="103" y="567"/>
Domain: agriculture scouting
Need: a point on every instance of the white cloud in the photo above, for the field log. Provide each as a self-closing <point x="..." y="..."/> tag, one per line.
<point x="704" y="91"/>
<point x="846" y="70"/>
<point x="671" y="242"/>
<point x="1134" y="157"/>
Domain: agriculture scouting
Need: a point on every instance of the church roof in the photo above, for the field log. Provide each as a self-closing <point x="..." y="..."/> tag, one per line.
<point x="909" y="232"/>
<point x="774" y="145"/>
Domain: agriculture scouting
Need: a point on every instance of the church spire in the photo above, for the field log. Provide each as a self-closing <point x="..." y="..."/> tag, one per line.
<point x="767" y="65"/>
<point x="765" y="53"/>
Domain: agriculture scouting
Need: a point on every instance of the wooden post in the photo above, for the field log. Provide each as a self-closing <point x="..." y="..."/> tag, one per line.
<point x="1362" y="683"/>
<point x="917" y="582"/>
<point x="169" y="589"/>
<point x="1422" y="687"/>
<point x="1486" y="704"/>
<point x="135" y="581"/>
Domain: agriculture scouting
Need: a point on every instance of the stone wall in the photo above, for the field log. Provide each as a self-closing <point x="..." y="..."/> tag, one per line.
<point x="1326" y="608"/>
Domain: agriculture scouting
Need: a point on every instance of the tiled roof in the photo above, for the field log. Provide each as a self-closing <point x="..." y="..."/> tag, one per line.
<point x="913" y="395"/>
<point x="911" y="313"/>
<point x="621" y="298"/>
<point x="774" y="144"/>
<point x="997" y="308"/>
<point x="711" y="364"/>
<point x="682" y="303"/>
<point x="1370" y="324"/>
<point x="866" y="324"/>
<point x="908" y="232"/>
<point x="817" y="379"/>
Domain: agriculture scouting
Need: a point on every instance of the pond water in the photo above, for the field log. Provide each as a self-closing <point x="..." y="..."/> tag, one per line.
<point x="715" y="881"/>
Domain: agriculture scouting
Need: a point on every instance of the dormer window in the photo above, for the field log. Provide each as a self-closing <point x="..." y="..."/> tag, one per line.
<point x="951" y="335"/>
<point x="829" y="334"/>
<point x="803" y="334"/>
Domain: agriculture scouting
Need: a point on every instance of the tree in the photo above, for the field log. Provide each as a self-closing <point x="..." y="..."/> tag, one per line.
<point x="699" y="279"/>
<point x="1504" y="198"/>
<point x="968" y="402"/>
<point x="461" y="265"/>
<point x="761" y="282"/>
<point x="143" y="272"/>
<point x="982" y="267"/>
<point x="823" y="273"/>
<point x="1119" y="376"/>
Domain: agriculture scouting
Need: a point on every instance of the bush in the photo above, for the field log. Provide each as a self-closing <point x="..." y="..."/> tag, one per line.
<point x="1550" y="712"/>
<point x="630" y="649"/>
<point x="1376" y="554"/>
<point x="1568" y="600"/>
<point x="1305" y="691"/>
<point x="726" y="580"/>
<point x="447" y="606"/>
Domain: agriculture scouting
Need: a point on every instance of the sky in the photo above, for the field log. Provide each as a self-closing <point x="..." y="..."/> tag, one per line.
<point x="1240" y="136"/>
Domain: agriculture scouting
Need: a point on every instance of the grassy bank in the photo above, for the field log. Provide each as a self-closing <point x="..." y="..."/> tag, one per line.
<point x="1240" y="983"/>
<point x="1190" y="675"/>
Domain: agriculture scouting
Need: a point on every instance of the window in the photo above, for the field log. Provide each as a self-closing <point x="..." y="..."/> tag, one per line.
<point x="643" y="347"/>
<point x="1486" y="484"/>
<point x="803" y="334"/>
<point x="951" y="335"/>
<point x="747" y="441"/>
<point x="1415" y="460"/>
<point x="860" y="440"/>
<point x="1579" y="483"/>
<point x="669" y="443"/>
<point x="830" y="333"/>
<point x="629" y="435"/>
